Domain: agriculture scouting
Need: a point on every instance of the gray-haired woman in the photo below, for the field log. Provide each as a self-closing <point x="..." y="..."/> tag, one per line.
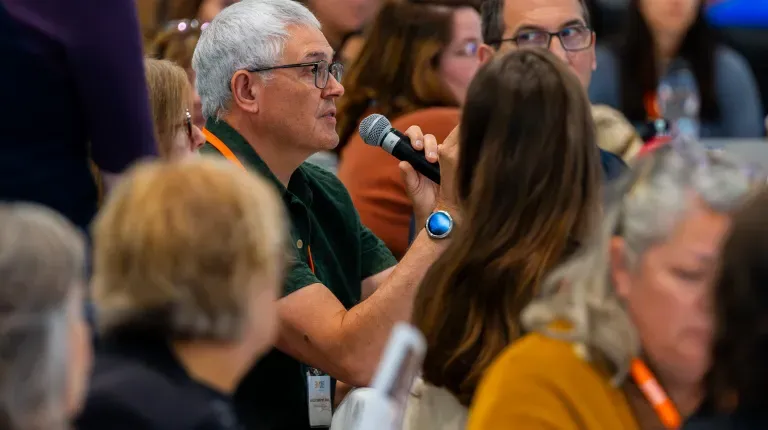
<point x="45" y="350"/>
<point x="621" y="336"/>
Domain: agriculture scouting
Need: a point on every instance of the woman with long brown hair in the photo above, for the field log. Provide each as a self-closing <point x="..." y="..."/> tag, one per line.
<point x="658" y="37"/>
<point x="737" y="381"/>
<point x="528" y="184"/>
<point x="414" y="68"/>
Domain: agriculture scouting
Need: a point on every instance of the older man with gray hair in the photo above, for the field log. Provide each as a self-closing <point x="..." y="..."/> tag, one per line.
<point x="269" y="86"/>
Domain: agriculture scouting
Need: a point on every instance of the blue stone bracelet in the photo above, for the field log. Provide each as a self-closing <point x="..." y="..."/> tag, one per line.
<point x="439" y="225"/>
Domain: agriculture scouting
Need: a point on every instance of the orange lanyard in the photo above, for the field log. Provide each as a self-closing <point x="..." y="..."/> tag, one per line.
<point x="229" y="155"/>
<point x="651" y="103"/>
<point x="656" y="395"/>
<point x="221" y="147"/>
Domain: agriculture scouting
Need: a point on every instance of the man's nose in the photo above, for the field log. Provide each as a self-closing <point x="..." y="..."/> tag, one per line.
<point x="556" y="47"/>
<point x="334" y="88"/>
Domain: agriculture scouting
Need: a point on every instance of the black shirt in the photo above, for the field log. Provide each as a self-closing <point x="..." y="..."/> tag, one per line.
<point x="138" y="384"/>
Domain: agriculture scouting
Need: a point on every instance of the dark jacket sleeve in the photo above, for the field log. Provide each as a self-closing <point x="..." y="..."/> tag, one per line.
<point x="105" y="53"/>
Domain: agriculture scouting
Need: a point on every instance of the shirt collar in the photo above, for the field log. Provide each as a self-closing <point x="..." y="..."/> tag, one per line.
<point x="297" y="185"/>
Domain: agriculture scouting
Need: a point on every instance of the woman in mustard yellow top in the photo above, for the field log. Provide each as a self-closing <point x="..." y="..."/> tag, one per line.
<point x="620" y="337"/>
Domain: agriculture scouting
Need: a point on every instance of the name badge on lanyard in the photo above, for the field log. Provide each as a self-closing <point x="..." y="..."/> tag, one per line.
<point x="319" y="398"/>
<point x="318" y="385"/>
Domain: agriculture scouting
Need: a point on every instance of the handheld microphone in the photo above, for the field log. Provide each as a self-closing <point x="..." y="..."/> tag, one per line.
<point x="376" y="130"/>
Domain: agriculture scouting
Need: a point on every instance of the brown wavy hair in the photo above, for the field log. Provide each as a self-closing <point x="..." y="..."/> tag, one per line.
<point x="153" y="14"/>
<point x="528" y="182"/>
<point x="396" y="71"/>
<point x="174" y="45"/>
<point x="738" y="377"/>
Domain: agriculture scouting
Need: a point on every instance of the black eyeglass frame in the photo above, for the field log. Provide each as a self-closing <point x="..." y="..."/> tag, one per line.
<point x="316" y="64"/>
<point x="550" y="36"/>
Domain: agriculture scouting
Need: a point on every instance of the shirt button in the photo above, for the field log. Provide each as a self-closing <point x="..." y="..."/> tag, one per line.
<point x="299" y="244"/>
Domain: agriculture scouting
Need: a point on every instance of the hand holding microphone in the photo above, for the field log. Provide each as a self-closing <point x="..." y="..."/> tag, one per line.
<point x="419" y="150"/>
<point x="434" y="188"/>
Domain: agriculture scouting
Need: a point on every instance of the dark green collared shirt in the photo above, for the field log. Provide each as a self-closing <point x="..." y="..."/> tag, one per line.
<point x="274" y="394"/>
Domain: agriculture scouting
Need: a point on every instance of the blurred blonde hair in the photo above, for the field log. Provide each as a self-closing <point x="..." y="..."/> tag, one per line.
<point x="178" y="248"/>
<point x="615" y="134"/>
<point x="170" y="95"/>
<point x="644" y="207"/>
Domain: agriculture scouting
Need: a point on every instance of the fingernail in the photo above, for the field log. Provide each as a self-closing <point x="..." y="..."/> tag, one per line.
<point x="432" y="155"/>
<point x="419" y="142"/>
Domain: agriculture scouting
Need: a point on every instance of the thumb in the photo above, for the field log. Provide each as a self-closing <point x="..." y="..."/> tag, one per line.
<point x="410" y="177"/>
<point x="452" y="139"/>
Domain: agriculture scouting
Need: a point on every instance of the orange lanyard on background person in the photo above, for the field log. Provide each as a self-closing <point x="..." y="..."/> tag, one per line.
<point x="229" y="155"/>
<point x="655" y="394"/>
<point x="651" y="104"/>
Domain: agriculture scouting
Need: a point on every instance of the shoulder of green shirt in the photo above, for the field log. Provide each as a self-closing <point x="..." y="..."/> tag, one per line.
<point x="376" y="257"/>
<point x="324" y="177"/>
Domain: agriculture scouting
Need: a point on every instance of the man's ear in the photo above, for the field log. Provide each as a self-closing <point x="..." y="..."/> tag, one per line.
<point x="245" y="91"/>
<point x="618" y="263"/>
<point x="485" y="53"/>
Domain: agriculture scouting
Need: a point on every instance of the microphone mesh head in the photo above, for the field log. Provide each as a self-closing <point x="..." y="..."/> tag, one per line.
<point x="373" y="128"/>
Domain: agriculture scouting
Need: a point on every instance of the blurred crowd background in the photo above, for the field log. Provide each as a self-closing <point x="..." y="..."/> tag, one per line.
<point x="168" y="260"/>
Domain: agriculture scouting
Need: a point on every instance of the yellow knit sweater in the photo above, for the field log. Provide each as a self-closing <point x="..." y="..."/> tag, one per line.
<point x="542" y="383"/>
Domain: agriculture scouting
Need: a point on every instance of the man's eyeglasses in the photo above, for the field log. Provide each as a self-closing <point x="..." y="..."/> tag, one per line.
<point x="467" y="49"/>
<point x="572" y="38"/>
<point x="321" y="69"/>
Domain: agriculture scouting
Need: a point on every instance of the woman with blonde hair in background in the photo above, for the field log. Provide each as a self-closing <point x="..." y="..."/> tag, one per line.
<point x="621" y="336"/>
<point x="45" y="343"/>
<point x="188" y="262"/>
<point x="171" y="98"/>
<point x="528" y="183"/>
<point x="615" y="134"/>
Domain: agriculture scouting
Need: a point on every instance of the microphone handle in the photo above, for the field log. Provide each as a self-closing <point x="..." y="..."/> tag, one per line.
<point x="403" y="151"/>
